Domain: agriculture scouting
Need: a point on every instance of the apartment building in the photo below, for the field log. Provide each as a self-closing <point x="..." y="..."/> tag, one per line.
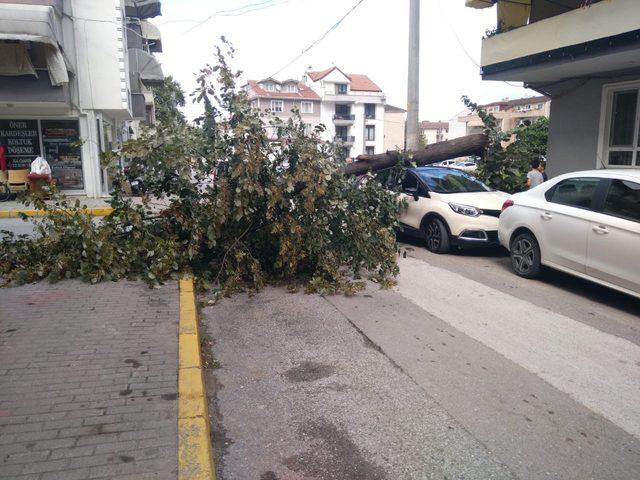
<point x="585" y="56"/>
<point x="71" y="82"/>
<point x="352" y="109"/>
<point x="509" y="113"/>
<point x="395" y="120"/>
<point x="282" y="98"/>
<point x="434" y="132"/>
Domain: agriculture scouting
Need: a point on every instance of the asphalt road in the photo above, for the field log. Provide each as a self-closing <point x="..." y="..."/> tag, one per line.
<point x="462" y="371"/>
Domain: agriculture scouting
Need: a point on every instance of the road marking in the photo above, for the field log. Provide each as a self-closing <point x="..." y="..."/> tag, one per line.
<point x="597" y="369"/>
<point x="195" y="457"/>
<point x="96" y="212"/>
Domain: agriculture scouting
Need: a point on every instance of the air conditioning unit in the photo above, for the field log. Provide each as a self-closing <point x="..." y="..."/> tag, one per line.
<point x="479" y="3"/>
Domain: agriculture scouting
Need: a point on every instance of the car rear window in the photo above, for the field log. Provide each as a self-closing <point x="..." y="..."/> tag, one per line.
<point x="623" y="200"/>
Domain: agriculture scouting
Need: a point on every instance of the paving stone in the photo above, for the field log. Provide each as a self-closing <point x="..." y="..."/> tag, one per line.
<point x="78" y="362"/>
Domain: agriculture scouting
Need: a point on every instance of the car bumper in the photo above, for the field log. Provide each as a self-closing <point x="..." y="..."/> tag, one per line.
<point x="476" y="238"/>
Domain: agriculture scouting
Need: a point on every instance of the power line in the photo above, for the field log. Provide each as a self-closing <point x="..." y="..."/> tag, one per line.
<point x="234" y="12"/>
<point x="455" y="34"/>
<point x="324" y="35"/>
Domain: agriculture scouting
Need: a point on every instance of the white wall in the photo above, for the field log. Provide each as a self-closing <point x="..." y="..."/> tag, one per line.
<point x="101" y="56"/>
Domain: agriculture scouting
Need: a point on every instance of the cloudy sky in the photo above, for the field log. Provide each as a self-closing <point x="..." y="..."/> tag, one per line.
<point x="268" y="34"/>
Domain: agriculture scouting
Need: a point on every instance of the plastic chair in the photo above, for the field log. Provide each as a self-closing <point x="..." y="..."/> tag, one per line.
<point x="18" y="180"/>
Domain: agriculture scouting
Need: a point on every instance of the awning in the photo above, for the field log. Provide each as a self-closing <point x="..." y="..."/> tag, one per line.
<point x="38" y="24"/>
<point x="15" y="60"/>
<point x="142" y="8"/>
<point x="152" y="34"/>
<point x="145" y="67"/>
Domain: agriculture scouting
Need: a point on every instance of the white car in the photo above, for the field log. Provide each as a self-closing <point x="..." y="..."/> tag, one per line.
<point x="445" y="163"/>
<point x="583" y="223"/>
<point x="448" y="207"/>
<point x="466" y="166"/>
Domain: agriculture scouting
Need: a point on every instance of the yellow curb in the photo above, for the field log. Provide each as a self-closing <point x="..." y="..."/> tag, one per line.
<point x="195" y="454"/>
<point x="96" y="212"/>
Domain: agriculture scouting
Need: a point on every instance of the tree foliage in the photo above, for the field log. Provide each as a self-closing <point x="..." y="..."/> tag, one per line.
<point x="506" y="168"/>
<point x="231" y="207"/>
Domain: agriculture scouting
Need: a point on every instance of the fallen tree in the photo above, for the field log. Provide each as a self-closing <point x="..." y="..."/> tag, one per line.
<point x="436" y="152"/>
<point x="273" y="212"/>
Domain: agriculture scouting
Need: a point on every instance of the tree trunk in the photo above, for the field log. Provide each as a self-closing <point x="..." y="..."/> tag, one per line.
<point x="458" y="147"/>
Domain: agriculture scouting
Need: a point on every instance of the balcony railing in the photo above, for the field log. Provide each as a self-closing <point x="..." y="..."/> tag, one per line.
<point x="344" y="116"/>
<point x="344" y="139"/>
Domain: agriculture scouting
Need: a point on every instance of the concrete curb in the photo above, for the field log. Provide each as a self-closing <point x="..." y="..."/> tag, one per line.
<point x="96" y="212"/>
<point x="195" y="454"/>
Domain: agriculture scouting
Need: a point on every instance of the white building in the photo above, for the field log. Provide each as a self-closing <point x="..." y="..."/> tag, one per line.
<point x="352" y="109"/>
<point x="70" y="84"/>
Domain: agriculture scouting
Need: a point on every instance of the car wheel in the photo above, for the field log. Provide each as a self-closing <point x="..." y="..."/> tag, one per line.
<point x="437" y="236"/>
<point x="525" y="256"/>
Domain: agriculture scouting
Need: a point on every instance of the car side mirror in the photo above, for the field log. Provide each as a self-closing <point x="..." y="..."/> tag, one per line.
<point x="412" y="191"/>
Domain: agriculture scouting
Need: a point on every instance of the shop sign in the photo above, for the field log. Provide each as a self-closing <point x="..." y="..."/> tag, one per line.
<point x="21" y="141"/>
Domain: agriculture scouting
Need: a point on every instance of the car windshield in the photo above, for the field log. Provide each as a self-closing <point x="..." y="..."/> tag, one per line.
<point x="445" y="180"/>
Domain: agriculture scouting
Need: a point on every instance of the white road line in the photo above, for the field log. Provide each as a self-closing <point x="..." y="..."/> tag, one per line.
<point x="597" y="369"/>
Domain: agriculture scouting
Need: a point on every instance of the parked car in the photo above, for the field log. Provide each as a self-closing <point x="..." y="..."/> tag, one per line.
<point x="583" y="223"/>
<point x="447" y="207"/>
<point x="466" y="166"/>
<point x="445" y="163"/>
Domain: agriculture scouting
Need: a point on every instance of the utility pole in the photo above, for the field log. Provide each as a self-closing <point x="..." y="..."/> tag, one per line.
<point x="413" y="86"/>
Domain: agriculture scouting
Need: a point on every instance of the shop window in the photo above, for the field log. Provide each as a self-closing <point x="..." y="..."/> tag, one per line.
<point x="62" y="149"/>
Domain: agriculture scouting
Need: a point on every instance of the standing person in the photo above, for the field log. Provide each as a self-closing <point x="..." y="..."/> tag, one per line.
<point x="542" y="168"/>
<point x="534" y="177"/>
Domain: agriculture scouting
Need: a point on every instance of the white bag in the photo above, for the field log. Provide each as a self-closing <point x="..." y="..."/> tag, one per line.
<point x="40" y="167"/>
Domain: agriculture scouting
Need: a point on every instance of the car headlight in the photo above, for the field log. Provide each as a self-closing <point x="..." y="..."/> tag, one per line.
<point x="465" y="210"/>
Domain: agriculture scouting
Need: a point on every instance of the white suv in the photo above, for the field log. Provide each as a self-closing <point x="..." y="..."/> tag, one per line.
<point x="447" y="207"/>
<point x="584" y="223"/>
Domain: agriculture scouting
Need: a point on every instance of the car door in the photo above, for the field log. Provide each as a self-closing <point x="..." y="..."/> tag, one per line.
<point x="564" y="221"/>
<point x="417" y="200"/>
<point x="613" y="250"/>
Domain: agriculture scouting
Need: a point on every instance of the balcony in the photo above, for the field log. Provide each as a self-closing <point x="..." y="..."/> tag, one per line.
<point x="347" y="140"/>
<point x="343" y="119"/>
<point x="579" y="42"/>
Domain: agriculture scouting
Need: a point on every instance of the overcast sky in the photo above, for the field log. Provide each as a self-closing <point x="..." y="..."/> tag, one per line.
<point x="372" y="40"/>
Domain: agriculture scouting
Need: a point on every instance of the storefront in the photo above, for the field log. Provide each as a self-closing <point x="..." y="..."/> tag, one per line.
<point x="57" y="141"/>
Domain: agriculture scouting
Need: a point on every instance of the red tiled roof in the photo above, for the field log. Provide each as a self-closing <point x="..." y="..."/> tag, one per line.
<point x="303" y="92"/>
<point x="359" y="82"/>
<point x="427" y="125"/>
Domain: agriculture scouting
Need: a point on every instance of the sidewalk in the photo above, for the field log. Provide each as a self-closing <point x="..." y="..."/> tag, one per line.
<point x="89" y="381"/>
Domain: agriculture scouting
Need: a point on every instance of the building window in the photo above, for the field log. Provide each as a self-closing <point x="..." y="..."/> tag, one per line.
<point x="369" y="150"/>
<point x="291" y="87"/>
<point x="277" y="106"/>
<point x="370" y="110"/>
<point x="341" y="88"/>
<point x="269" y="87"/>
<point x="370" y="133"/>
<point x="540" y="105"/>
<point x="306" y="107"/>
<point x="622" y="128"/>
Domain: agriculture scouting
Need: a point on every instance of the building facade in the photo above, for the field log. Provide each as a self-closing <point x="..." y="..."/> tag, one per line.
<point x="395" y="120"/>
<point x="71" y="82"/>
<point x="282" y="99"/>
<point x="352" y="110"/>
<point x="434" y="132"/>
<point x="586" y="57"/>
<point x="509" y="113"/>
